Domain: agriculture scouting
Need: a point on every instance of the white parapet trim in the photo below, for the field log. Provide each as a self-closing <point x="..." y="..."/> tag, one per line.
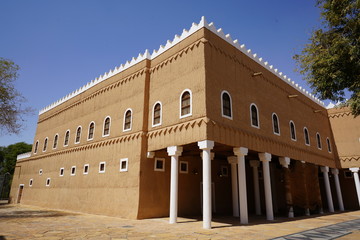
<point x="169" y="44"/>
<point x="23" y="155"/>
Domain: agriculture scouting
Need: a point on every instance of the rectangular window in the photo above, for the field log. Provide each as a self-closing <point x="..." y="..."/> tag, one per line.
<point x="86" y="169"/>
<point x="184" y="167"/>
<point x="224" y="171"/>
<point x="48" y="182"/>
<point x="102" y="167"/>
<point x="61" y="172"/>
<point x="159" y="164"/>
<point x="73" y="170"/>
<point x="123" y="165"/>
<point x="348" y="174"/>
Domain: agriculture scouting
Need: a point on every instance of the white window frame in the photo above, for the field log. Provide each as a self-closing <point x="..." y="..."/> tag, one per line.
<point x="153" y="114"/>
<point x="76" y="134"/>
<point x="40" y="171"/>
<point x="63" y="172"/>
<point x="36" y="147"/>
<point x="189" y="114"/>
<point x="46" y="183"/>
<point x="131" y="120"/>
<point x="159" y="169"/>
<point x="68" y="138"/>
<point x="127" y="164"/>
<point x="328" y="144"/>
<point x="273" y="126"/>
<point x="103" y="128"/>
<point x="305" y="136"/>
<point x="88" y="169"/>
<point x="222" y="105"/>
<point x="317" y="141"/>
<point x="102" y="171"/>
<point x="187" y="166"/>
<point x="47" y="144"/>
<point x="71" y="171"/>
<point x="258" y="116"/>
<point x="293" y="139"/>
<point x="31" y="181"/>
<point x="57" y="144"/>
<point x="87" y="137"/>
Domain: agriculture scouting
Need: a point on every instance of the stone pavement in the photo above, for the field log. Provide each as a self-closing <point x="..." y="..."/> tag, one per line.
<point x="29" y="222"/>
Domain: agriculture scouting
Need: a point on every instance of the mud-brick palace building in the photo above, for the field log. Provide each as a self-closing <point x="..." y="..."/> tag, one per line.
<point x="201" y="126"/>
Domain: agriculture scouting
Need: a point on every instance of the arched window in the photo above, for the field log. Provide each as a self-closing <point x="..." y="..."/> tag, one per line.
<point x="276" y="126"/>
<point x="91" y="131"/>
<point x="36" y="146"/>
<point x="306" y="136"/>
<point x="127" y="120"/>
<point x="78" y="135"/>
<point x="157" y="114"/>
<point x="66" y="140"/>
<point x="56" y="137"/>
<point x="226" y="105"/>
<point x="254" y="114"/>
<point x="318" y="139"/>
<point x="328" y="145"/>
<point x="292" y="131"/>
<point x="185" y="104"/>
<point x="106" y="130"/>
<point x="45" y="144"/>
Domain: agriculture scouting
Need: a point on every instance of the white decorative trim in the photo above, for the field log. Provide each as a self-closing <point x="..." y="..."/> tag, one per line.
<point x="71" y="171"/>
<point x="57" y="141"/>
<point x="88" y="169"/>
<point x="106" y="135"/>
<point x="23" y="155"/>
<point x="129" y="129"/>
<point x="305" y="136"/>
<point x="153" y="112"/>
<point x="87" y="137"/>
<point x="68" y="138"/>
<point x="222" y="105"/>
<point x="258" y="116"/>
<point x="76" y="134"/>
<point x="163" y="165"/>
<point x="294" y="139"/>
<point x="278" y="121"/>
<point x="126" y="160"/>
<point x="318" y="139"/>
<point x="190" y="113"/>
<point x="169" y="44"/>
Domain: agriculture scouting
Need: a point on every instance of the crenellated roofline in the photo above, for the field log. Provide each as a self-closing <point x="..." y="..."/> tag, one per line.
<point x="169" y="44"/>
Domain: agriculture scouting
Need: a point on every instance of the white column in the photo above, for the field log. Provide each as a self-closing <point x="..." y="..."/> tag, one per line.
<point x="174" y="152"/>
<point x="234" y="186"/>
<point x="357" y="182"/>
<point x="285" y="162"/>
<point x="241" y="152"/>
<point x="255" y="164"/>
<point x="335" y="173"/>
<point x="325" y="171"/>
<point x="206" y="146"/>
<point x="265" y="158"/>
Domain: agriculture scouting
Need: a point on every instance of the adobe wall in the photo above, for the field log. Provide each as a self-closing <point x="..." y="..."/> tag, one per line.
<point x="346" y="130"/>
<point x="229" y="69"/>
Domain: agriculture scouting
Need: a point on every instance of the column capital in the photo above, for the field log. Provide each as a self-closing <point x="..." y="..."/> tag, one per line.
<point x="284" y="161"/>
<point x="354" y="169"/>
<point x="240" y="151"/>
<point x="150" y="154"/>
<point x="232" y="159"/>
<point x="174" y="150"/>
<point x="206" y="144"/>
<point x="335" y="171"/>
<point x="254" y="163"/>
<point x="324" y="169"/>
<point x="265" y="157"/>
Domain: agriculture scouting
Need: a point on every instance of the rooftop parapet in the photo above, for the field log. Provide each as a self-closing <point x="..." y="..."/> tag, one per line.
<point x="23" y="155"/>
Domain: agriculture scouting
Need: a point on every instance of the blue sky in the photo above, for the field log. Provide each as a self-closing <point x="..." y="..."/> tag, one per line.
<point x="61" y="45"/>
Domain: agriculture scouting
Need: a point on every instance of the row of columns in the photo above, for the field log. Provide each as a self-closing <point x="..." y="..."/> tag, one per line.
<point x="239" y="192"/>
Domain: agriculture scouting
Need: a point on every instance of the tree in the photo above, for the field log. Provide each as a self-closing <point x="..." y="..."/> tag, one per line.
<point x="331" y="61"/>
<point x="11" y="109"/>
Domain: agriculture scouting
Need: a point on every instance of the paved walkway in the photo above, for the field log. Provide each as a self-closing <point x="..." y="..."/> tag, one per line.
<point x="28" y="222"/>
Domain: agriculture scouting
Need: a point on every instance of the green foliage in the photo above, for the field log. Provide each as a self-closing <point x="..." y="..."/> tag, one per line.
<point x="11" y="110"/>
<point x="9" y="154"/>
<point x="331" y="61"/>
